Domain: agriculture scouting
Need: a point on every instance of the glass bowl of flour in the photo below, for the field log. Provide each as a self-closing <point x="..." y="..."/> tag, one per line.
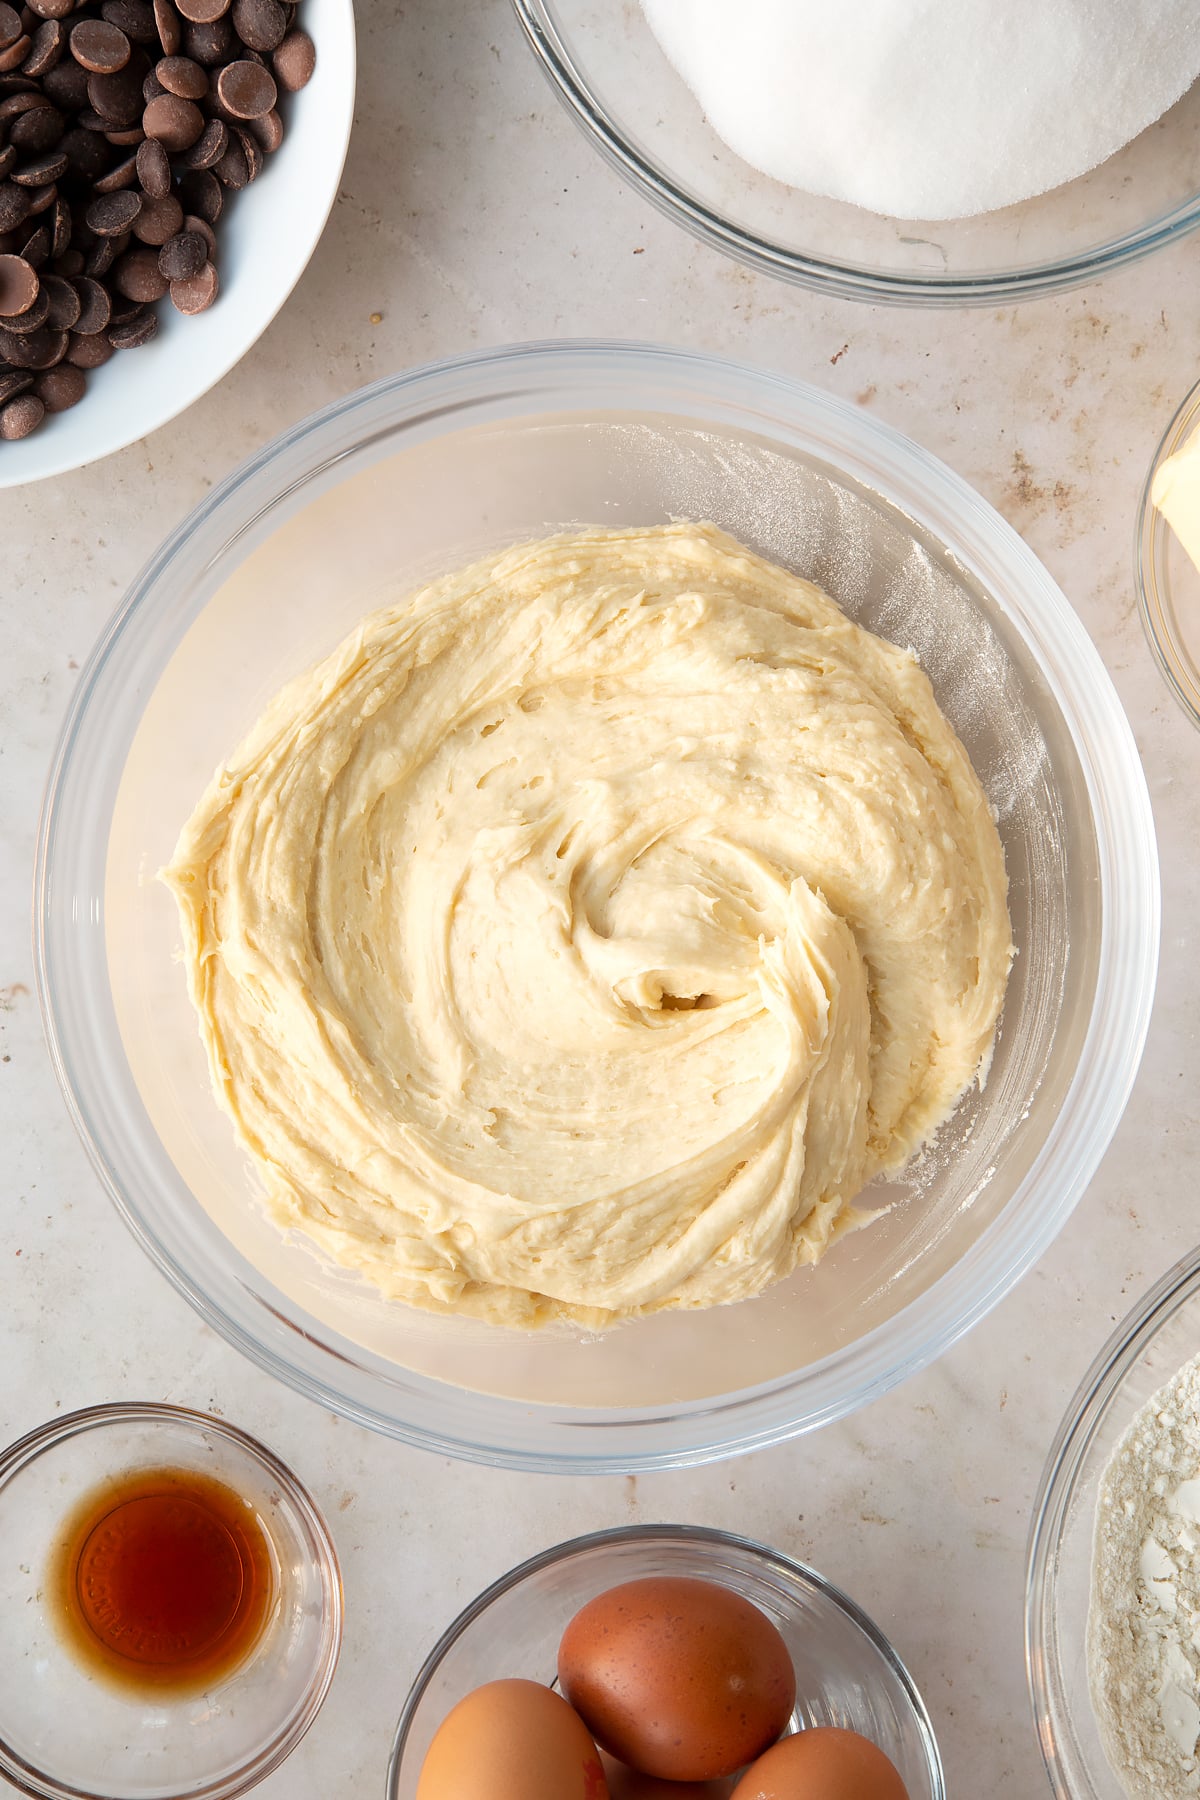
<point x="955" y="152"/>
<point x="1113" y="1598"/>
<point x="420" y="475"/>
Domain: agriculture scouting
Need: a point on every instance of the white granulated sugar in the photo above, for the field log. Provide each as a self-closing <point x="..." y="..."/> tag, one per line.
<point x="1144" y="1620"/>
<point x="930" y="109"/>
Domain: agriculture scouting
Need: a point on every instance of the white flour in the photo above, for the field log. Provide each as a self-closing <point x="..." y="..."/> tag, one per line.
<point x="930" y="109"/>
<point x="1144" y="1621"/>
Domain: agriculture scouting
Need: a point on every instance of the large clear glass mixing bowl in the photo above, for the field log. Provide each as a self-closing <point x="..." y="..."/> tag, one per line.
<point x="411" y="477"/>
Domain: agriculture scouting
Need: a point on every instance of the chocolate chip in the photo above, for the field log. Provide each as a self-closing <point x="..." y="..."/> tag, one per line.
<point x="44" y="169"/>
<point x="95" y="306"/>
<point x="197" y="293"/>
<point x="32" y="318"/>
<point x="134" y="332"/>
<point x="174" y="123"/>
<point x="202" y="194"/>
<point x="64" y="303"/>
<point x="15" y="55"/>
<point x="245" y="90"/>
<point x="260" y="24"/>
<point x="117" y="97"/>
<point x="14" y="207"/>
<point x="113" y="213"/>
<point x="134" y="17"/>
<point x="66" y="85"/>
<point x="267" y="131"/>
<point x="138" y="277"/>
<point x="169" y="26"/>
<point x="37" y="246"/>
<point x="98" y="47"/>
<point x="158" y="220"/>
<point x="180" y="75"/>
<point x="21" y="416"/>
<point x="52" y="9"/>
<point x="46" y="47"/>
<point x="38" y="130"/>
<point x="10" y="25"/>
<point x="12" y="105"/>
<point x="203" y="12"/>
<point x="15" y="381"/>
<point x="294" y="61"/>
<point x="203" y="229"/>
<point x="209" y="147"/>
<point x="183" y="256"/>
<point x="121" y="175"/>
<point x="61" y="387"/>
<point x="27" y="351"/>
<point x="232" y="169"/>
<point x="210" y="44"/>
<point x="19" y="284"/>
<point x="88" y="352"/>
<point x="253" y="152"/>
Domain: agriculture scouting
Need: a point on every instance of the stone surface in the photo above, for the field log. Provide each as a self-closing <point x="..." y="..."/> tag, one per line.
<point x="472" y="212"/>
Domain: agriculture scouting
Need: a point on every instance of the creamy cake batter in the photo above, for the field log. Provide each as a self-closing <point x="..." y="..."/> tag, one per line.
<point x="581" y="936"/>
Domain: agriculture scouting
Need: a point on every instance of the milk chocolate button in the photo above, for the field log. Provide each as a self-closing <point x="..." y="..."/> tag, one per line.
<point x="60" y="387"/>
<point x="174" y="123"/>
<point x="98" y="47"/>
<point x="10" y="25"/>
<point x="112" y="215"/>
<point x="196" y="294"/>
<point x="19" y="285"/>
<point x="21" y="416"/>
<point x="180" y="75"/>
<point x="245" y="90"/>
<point x="294" y="61"/>
<point x="184" y="256"/>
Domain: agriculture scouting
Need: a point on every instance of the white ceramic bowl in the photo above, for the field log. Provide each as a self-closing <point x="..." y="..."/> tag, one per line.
<point x="264" y="241"/>
<point x="413" y="477"/>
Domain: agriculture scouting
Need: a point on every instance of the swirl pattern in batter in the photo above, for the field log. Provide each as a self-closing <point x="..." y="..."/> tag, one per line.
<point x="583" y="934"/>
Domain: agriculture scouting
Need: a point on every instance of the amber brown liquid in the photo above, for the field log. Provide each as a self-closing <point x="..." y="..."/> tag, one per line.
<point x="163" y="1580"/>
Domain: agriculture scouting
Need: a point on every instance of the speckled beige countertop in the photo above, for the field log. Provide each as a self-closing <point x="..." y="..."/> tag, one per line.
<point x="473" y="213"/>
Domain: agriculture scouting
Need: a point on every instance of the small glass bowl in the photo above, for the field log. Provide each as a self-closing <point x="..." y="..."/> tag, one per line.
<point x="1156" y="1338"/>
<point x="1168" y="582"/>
<point x="846" y="1671"/>
<point x="65" y="1735"/>
<point x="612" y="76"/>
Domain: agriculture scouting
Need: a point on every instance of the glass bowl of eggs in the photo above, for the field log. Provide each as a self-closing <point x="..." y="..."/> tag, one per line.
<point x="616" y="1665"/>
<point x="389" y="492"/>
<point x="895" y="160"/>
<point x="1167" y="561"/>
<point x="1113" y="1565"/>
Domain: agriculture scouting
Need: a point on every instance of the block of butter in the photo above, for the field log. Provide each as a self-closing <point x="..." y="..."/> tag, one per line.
<point x="1176" y="494"/>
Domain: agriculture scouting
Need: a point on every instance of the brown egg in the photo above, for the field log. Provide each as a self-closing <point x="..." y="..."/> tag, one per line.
<point x="823" y="1763"/>
<point x="625" y="1783"/>
<point x="512" y="1740"/>
<point x="680" y="1678"/>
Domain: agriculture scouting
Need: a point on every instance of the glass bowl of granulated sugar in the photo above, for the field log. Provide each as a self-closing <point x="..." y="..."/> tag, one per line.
<point x="1112" y="1614"/>
<point x="903" y="150"/>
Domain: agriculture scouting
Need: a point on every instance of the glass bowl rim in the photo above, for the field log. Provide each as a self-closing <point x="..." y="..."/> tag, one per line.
<point x="1150" y="540"/>
<point x="795" y="1571"/>
<point x="1084" y="1415"/>
<point x="850" y="281"/>
<point x="783" y="409"/>
<point x="16" y="1457"/>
